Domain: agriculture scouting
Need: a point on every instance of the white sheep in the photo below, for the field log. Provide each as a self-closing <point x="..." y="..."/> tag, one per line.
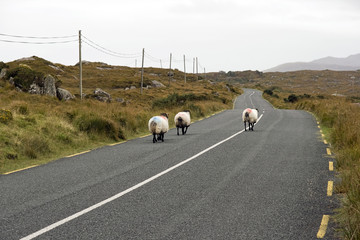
<point x="158" y="126"/>
<point x="182" y="120"/>
<point x="250" y="115"/>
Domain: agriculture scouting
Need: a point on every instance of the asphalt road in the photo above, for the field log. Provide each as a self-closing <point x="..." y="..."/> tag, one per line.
<point x="267" y="184"/>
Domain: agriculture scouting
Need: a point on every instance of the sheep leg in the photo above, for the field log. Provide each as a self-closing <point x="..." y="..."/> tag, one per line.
<point x="245" y="125"/>
<point x="162" y="137"/>
<point x="186" y="128"/>
<point x="154" y="138"/>
<point x="182" y="130"/>
<point x="177" y="128"/>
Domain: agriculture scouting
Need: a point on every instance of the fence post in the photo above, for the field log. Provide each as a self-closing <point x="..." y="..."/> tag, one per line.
<point x="170" y="69"/>
<point x="197" y="69"/>
<point x="184" y="69"/>
<point x="80" y="66"/>
<point x="142" y="72"/>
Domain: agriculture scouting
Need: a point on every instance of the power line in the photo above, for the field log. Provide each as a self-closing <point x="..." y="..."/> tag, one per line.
<point x="25" y="42"/>
<point x="18" y="36"/>
<point x="107" y="52"/>
<point x="110" y="52"/>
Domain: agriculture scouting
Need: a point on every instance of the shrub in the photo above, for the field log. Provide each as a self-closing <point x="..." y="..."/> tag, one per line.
<point x="3" y="65"/>
<point x="5" y="116"/>
<point x="195" y="110"/>
<point x="292" y="98"/>
<point x="268" y="92"/>
<point x="96" y="124"/>
<point x="232" y="89"/>
<point x="175" y="99"/>
<point x="24" y="76"/>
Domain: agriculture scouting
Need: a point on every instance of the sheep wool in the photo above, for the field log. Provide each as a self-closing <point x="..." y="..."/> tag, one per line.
<point x="182" y="120"/>
<point x="158" y="126"/>
<point x="250" y="115"/>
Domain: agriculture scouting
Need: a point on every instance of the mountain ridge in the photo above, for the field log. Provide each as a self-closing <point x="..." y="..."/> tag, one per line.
<point x="350" y="63"/>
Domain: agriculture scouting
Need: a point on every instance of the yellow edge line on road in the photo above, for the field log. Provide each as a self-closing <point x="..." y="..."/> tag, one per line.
<point x="323" y="226"/>
<point x="114" y="144"/>
<point x="330" y="188"/>
<point x="20" y="170"/>
<point x="325" y="142"/>
<point x="331" y="166"/>
<point x="78" y="153"/>
<point x="328" y="151"/>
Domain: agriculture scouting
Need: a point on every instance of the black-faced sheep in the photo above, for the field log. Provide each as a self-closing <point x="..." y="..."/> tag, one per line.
<point x="182" y="120"/>
<point x="158" y="126"/>
<point x="250" y="115"/>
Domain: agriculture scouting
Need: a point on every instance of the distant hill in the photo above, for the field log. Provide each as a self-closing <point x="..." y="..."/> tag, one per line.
<point x="350" y="63"/>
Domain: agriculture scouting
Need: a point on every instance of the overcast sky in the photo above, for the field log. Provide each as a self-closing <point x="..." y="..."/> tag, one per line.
<point x="225" y="35"/>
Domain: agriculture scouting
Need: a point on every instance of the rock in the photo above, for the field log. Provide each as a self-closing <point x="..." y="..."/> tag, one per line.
<point x="49" y="86"/>
<point x="101" y="95"/>
<point x="56" y="68"/>
<point x="156" y="84"/>
<point x="132" y="87"/>
<point x="35" y="89"/>
<point x="26" y="59"/>
<point x="120" y="100"/>
<point x="11" y="81"/>
<point x="212" y="83"/>
<point x="3" y="73"/>
<point x="63" y="94"/>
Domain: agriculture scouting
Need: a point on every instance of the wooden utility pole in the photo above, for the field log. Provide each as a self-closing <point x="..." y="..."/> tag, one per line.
<point x="160" y="64"/>
<point x="184" y="69"/>
<point x="170" y="69"/>
<point x="142" y="71"/>
<point x="80" y="66"/>
<point x="204" y="74"/>
<point x="193" y="65"/>
<point x="135" y="63"/>
<point x="197" y="69"/>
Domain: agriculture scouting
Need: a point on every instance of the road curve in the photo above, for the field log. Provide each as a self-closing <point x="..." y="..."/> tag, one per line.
<point x="215" y="182"/>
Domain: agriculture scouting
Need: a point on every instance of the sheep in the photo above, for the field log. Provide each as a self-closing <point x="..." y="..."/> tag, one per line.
<point x="250" y="116"/>
<point x="182" y="120"/>
<point x="158" y="126"/>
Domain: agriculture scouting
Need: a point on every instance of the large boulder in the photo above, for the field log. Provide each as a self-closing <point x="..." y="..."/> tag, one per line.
<point x="49" y="86"/>
<point x="3" y="73"/>
<point x="101" y="95"/>
<point x="156" y="84"/>
<point x="63" y="94"/>
<point x="35" y="89"/>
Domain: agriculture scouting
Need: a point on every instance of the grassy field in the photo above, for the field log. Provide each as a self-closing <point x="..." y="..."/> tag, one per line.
<point x="36" y="129"/>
